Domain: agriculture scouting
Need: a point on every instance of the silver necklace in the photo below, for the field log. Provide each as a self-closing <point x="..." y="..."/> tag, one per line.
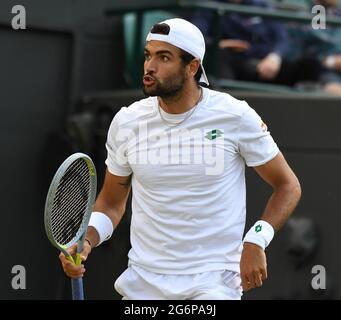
<point x="189" y="113"/>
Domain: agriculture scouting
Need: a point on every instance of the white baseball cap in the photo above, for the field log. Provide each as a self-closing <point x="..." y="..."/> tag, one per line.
<point x="186" y="36"/>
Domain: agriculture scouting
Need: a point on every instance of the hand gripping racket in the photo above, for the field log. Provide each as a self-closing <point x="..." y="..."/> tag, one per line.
<point x="68" y="208"/>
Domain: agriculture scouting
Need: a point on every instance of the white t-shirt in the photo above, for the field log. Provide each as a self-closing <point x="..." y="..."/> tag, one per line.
<point x="188" y="180"/>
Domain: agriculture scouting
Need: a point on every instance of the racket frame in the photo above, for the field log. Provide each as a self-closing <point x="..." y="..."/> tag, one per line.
<point x="80" y="235"/>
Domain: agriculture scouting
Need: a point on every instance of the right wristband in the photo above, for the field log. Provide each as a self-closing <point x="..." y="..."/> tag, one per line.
<point x="261" y="234"/>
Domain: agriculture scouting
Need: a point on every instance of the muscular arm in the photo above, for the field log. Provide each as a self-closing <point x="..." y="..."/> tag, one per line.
<point x="285" y="196"/>
<point x="286" y="191"/>
<point x="112" y="201"/>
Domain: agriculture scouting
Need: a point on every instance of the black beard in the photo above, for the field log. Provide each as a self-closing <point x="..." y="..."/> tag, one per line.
<point x="163" y="92"/>
<point x="170" y="89"/>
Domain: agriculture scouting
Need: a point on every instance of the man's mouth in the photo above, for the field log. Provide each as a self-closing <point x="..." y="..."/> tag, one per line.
<point x="148" y="81"/>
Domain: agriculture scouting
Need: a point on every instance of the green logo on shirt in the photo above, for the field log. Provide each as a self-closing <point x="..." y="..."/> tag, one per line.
<point x="258" y="228"/>
<point x="216" y="133"/>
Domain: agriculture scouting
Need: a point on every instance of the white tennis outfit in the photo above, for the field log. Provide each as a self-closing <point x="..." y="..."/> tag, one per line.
<point x="189" y="195"/>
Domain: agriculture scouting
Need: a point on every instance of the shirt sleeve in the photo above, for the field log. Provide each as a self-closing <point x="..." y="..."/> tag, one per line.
<point x="255" y="143"/>
<point x="116" y="145"/>
<point x="280" y="38"/>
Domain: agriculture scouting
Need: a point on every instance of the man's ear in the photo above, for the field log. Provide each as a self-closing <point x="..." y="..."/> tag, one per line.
<point x="194" y="66"/>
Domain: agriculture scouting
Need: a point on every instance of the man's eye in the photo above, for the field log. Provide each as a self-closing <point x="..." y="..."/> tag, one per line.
<point x="146" y="56"/>
<point x="164" y="58"/>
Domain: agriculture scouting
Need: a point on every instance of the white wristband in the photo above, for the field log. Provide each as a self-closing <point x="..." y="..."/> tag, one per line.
<point x="103" y="225"/>
<point x="261" y="234"/>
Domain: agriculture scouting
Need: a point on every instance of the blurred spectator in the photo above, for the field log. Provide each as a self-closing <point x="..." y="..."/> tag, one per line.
<point x="323" y="45"/>
<point x="252" y="48"/>
<point x="330" y="50"/>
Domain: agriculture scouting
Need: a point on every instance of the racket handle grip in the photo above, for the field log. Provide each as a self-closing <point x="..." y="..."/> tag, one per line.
<point x="77" y="289"/>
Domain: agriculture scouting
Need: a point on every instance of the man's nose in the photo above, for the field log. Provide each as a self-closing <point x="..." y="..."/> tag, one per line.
<point x="150" y="66"/>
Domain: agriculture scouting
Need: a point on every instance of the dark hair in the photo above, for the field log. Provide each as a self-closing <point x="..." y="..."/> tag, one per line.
<point x="160" y="28"/>
<point x="163" y="28"/>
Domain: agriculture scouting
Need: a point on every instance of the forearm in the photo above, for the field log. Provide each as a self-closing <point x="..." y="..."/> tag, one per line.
<point x="281" y="204"/>
<point x="280" y="38"/>
<point x="114" y="212"/>
<point x="253" y="269"/>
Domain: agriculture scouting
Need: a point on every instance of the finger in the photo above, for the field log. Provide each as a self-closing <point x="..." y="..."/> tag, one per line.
<point x="75" y="275"/>
<point x="74" y="271"/>
<point x="67" y="260"/>
<point x="67" y="264"/>
<point x="258" y="279"/>
<point x="251" y="281"/>
<point x="70" y="267"/>
<point x="243" y="281"/>
<point x="247" y="286"/>
<point x="86" y="251"/>
<point x="264" y="273"/>
<point x="72" y="250"/>
<point x="246" y="283"/>
<point x="61" y="256"/>
<point x="64" y="259"/>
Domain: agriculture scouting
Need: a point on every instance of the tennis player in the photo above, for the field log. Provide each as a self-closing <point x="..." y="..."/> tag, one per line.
<point x="183" y="152"/>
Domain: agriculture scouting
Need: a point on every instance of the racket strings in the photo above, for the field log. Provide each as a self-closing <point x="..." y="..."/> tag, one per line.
<point x="75" y="196"/>
<point x="70" y="213"/>
<point x="70" y="194"/>
<point x="66" y="226"/>
<point x="70" y="202"/>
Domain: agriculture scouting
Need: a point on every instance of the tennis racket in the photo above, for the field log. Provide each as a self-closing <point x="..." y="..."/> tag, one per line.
<point x="68" y="208"/>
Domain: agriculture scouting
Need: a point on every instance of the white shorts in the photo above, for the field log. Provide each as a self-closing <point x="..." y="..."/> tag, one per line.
<point x="138" y="284"/>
